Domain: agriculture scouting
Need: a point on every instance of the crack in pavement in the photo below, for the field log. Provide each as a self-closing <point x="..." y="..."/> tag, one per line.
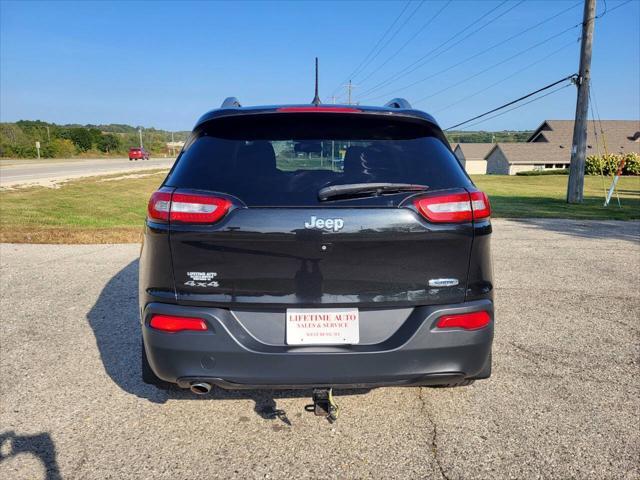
<point x="434" y="435"/>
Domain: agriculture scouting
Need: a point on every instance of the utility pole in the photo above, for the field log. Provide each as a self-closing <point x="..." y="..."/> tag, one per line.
<point x="575" y="188"/>
<point x="350" y="86"/>
<point x="140" y="133"/>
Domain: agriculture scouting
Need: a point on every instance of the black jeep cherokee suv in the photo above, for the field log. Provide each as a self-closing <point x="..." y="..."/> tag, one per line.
<point x="316" y="246"/>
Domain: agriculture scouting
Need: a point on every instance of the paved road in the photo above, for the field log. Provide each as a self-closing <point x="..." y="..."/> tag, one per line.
<point x="49" y="172"/>
<point x="563" y="401"/>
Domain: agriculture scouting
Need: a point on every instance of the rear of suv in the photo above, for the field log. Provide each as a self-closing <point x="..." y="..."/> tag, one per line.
<point x="138" y="153"/>
<point x="316" y="246"/>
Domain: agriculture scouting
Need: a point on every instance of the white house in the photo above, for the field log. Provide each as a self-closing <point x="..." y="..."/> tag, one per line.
<point x="472" y="156"/>
<point x="511" y="158"/>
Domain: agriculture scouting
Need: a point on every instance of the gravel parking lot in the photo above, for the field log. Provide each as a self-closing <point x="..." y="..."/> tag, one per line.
<point x="563" y="401"/>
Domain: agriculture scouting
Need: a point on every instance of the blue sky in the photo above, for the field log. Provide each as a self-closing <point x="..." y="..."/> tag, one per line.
<point x="163" y="64"/>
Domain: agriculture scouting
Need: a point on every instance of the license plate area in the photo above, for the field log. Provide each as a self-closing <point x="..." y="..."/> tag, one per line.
<point x="323" y="326"/>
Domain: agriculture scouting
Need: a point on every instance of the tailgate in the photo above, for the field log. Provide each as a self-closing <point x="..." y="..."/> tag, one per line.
<point x="311" y="256"/>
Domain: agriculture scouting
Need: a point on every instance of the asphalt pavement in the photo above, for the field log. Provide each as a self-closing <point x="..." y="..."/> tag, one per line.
<point x="563" y="401"/>
<point x="49" y="172"/>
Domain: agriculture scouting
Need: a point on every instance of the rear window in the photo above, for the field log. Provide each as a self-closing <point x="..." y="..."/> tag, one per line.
<point x="285" y="159"/>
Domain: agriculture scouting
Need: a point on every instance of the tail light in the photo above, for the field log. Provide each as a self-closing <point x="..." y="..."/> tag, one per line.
<point x="173" y="324"/>
<point x="186" y="207"/>
<point x="466" y="321"/>
<point x="159" y="205"/>
<point x="454" y="207"/>
<point x="480" y="205"/>
<point x="189" y="208"/>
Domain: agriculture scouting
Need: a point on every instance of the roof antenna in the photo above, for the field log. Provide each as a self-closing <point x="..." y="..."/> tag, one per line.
<point x="316" y="100"/>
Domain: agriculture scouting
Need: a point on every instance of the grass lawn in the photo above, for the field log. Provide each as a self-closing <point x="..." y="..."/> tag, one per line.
<point x="104" y="209"/>
<point x="111" y="209"/>
<point x="544" y="196"/>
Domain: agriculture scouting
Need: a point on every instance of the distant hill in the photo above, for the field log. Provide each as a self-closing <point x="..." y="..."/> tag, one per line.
<point x="18" y="140"/>
<point x="482" y="136"/>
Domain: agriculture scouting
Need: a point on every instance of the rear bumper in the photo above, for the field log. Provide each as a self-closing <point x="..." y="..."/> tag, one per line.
<point x="229" y="356"/>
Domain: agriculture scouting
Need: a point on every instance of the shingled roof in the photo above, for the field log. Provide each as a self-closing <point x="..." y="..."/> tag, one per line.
<point x="533" y="153"/>
<point x="475" y="151"/>
<point x="619" y="135"/>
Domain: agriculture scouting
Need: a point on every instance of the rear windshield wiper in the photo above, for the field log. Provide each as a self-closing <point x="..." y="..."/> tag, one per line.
<point x="354" y="190"/>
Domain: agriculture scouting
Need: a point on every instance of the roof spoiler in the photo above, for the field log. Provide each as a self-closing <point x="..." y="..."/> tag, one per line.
<point x="398" y="103"/>
<point x="230" y="102"/>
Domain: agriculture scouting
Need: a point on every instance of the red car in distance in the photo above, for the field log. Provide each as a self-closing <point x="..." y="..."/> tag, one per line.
<point x="138" y="153"/>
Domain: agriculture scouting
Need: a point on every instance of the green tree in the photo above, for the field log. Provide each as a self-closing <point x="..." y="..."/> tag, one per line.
<point x="81" y="138"/>
<point x="108" y="143"/>
<point x="96" y="135"/>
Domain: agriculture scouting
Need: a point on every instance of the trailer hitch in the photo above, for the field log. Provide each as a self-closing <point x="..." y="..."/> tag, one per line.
<point x="323" y="404"/>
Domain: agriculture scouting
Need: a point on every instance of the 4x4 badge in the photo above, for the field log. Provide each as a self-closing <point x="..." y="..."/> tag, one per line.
<point x="333" y="224"/>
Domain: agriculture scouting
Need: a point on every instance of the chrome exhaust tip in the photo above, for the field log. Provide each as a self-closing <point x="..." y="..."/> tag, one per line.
<point x="200" y="388"/>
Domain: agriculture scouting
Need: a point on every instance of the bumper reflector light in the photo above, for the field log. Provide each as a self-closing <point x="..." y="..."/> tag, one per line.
<point x="172" y="324"/>
<point x="466" y="321"/>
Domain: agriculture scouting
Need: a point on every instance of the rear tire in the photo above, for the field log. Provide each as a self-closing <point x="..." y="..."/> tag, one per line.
<point x="148" y="376"/>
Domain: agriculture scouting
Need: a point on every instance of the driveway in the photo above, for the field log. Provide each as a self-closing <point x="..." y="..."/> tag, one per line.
<point x="563" y="401"/>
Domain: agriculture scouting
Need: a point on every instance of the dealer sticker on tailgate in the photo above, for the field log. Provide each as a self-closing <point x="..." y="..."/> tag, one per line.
<point x="322" y="326"/>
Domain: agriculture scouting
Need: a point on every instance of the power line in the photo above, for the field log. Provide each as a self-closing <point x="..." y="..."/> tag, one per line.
<point x="607" y="10"/>
<point x="520" y="106"/>
<point x="517" y="72"/>
<point x="406" y="20"/>
<point x="517" y="100"/>
<point x="358" y="68"/>
<point x="511" y="57"/>
<point x="573" y="78"/>
<point x="491" y="67"/>
<point x="395" y="54"/>
<point x="426" y="57"/>
<point x="488" y="49"/>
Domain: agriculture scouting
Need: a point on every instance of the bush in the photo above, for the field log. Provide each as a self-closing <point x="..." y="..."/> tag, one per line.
<point x="62" y="148"/>
<point x="534" y="173"/>
<point x="81" y="138"/>
<point x="108" y="143"/>
<point x="632" y="164"/>
<point x="18" y="151"/>
<point x="608" y="164"/>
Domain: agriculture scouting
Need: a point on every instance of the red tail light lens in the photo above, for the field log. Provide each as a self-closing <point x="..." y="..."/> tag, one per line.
<point x="189" y="208"/>
<point x="454" y="208"/>
<point x="480" y="205"/>
<point x="445" y="208"/>
<point x="186" y="207"/>
<point x="159" y="204"/>
<point x="466" y="321"/>
<point x="173" y="324"/>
